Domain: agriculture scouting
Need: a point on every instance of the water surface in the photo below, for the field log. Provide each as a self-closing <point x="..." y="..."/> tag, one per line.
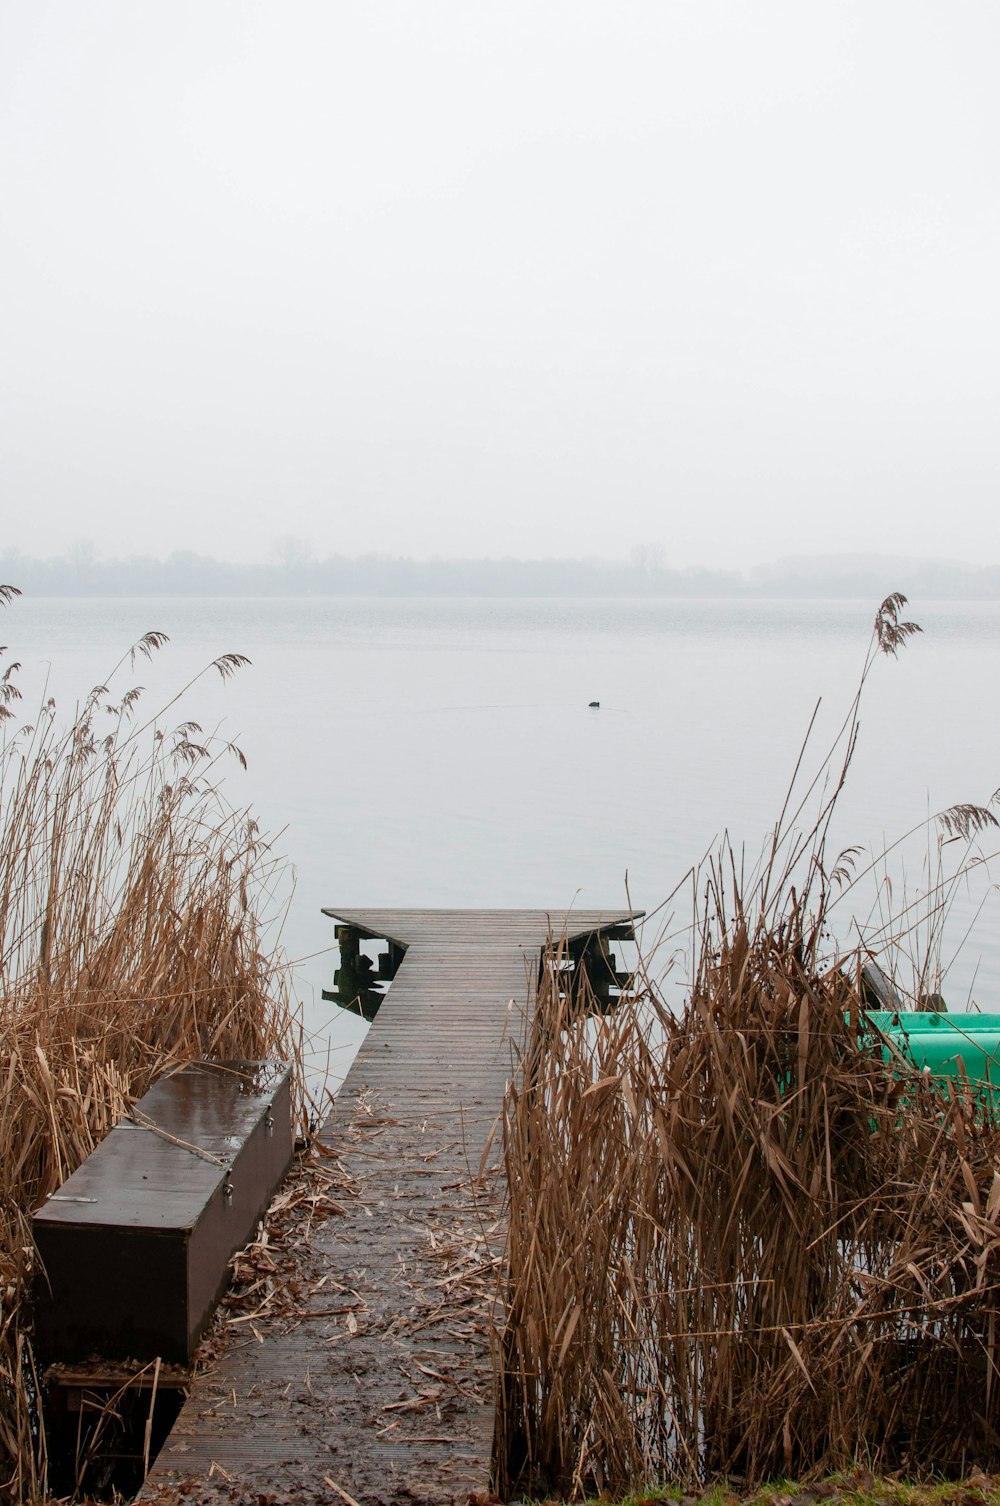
<point x="443" y="752"/>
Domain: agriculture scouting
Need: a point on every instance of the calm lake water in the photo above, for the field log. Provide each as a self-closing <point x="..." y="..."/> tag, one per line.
<point x="442" y="752"/>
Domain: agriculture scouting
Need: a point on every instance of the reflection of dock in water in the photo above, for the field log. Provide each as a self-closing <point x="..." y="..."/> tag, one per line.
<point x="358" y="985"/>
<point x="385" y="1386"/>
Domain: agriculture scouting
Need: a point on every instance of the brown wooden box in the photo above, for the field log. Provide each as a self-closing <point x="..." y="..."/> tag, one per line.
<point x="134" y="1247"/>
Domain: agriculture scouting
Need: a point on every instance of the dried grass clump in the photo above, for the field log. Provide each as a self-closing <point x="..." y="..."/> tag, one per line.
<point x="741" y="1243"/>
<point x="131" y="897"/>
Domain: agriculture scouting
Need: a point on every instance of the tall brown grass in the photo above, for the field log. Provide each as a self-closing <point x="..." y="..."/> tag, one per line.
<point x="131" y="904"/>
<point x="742" y="1244"/>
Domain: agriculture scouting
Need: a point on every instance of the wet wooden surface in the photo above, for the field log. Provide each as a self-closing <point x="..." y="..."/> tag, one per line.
<point x="135" y="1245"/>
<point x="384" y="1390"/>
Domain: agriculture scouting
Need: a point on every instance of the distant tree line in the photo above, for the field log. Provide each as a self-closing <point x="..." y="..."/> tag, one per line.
<point x="183" y="573"/>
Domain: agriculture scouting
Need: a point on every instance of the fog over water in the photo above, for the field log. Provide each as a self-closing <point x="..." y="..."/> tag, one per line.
<point x="373" y="309"/>
<point x="443" y="753"/>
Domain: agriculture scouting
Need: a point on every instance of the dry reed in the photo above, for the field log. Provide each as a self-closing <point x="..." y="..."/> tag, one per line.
<point x="131" y="897"/>
<point x="742" y="1244"/>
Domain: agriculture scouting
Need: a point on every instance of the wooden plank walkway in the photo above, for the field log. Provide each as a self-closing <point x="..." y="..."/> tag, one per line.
<point x="390" y="1397"/>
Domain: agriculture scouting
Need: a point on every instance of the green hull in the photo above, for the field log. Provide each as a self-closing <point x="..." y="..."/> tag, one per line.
<point x="945" y="1045"/>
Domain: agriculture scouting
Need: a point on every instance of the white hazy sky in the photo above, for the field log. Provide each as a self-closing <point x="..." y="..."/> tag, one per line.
<point x="519" y="278"/>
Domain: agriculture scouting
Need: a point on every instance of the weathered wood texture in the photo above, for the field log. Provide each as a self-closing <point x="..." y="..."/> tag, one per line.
<point x="386" y="1386"/>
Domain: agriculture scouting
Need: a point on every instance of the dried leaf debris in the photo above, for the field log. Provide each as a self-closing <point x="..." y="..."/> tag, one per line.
<point x="279" y="1272"/>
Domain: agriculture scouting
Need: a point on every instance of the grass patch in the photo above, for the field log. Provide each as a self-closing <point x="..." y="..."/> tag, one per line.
<point x="855" y="1488"/>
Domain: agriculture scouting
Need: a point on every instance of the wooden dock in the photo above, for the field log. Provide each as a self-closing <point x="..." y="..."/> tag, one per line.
<point x="383" y="1393"/>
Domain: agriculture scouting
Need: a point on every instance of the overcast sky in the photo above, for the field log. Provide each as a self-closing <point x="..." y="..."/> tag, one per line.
<point x="523" y="278"/>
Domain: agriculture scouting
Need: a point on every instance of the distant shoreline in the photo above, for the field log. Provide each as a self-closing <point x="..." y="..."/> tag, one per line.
<point x="188" y="575"/>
